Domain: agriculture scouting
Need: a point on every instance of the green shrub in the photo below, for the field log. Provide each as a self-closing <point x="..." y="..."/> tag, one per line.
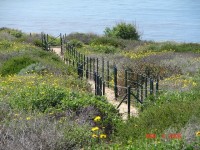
<point x="107" y="41"/>
<point x="14" y="32"/>
<point x="75" y="43"/>
<point x="14" y="65"/>
<point x="6" y="36"/>
<point x="38" y="42"/>
<point x="169" y="111"/>
<point x="40" y="131"/>
<point x="33" y="68"/>
<point x="83" y="37"/>
<point x="123" y="30"/>
<point x="104" y="49"/>
<point x="40" y="98"/>
<point x="172" y="46"/>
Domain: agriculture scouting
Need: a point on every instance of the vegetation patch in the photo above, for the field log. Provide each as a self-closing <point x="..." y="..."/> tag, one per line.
<point x="44" y="105"/>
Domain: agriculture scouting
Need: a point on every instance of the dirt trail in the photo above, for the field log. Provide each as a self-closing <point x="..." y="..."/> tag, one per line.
<point x="109" y="93"/>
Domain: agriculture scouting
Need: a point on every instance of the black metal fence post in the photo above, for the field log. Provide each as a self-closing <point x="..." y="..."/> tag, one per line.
<point x="104" y="88"/>
<point x="97" y="66"/>
<point x="125" y="80"/>
<point x="102" y="68"/>
<point x="108" y="74"/>
<point x="95" y="80"/>
<point x="145" y="86"/>
<point x="61" y="43"/>
<point x="90" y="68"/>
<point x="129" y="100"/>
<point x="97" y="84"/>
<point x="93" y="64"/>
<point x="151" y="86"/>
<point x="87" y="66"/>
<point x="137" y="86"/>
<point x="100" y="86"/>
<point x="115" y="82"/>
<point x="157" y="85"/>
<point x="141" y="92"/>
<point x="84" y="62"/>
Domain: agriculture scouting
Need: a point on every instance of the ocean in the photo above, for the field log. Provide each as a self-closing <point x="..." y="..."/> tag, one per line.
<point x="157" y="20"/>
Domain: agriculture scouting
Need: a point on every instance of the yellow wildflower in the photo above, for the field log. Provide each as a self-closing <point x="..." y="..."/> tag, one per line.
<point x="97" y="118"/>
<point x="94" y="136"/>
<point x="95" y="128"/>
<point x="16" y="115"/>
<point x="194" y="83"/>
<point x="28" y="118"/>
<point x="157" y="142"/>
<point x="51" y="113"/>
<point x="103" y="136"/>
<point x="198" y="133"/>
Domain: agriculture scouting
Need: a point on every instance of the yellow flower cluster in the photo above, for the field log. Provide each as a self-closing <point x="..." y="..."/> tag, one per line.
<point x="198" y="134"/>
<point x="103" y="136"/>
<point x="180" y="81"/>
<point x="141" y="54"/>
<point x="97" y="118"/>
<point x="97" y="130"/>
<point x="28" y="118"/>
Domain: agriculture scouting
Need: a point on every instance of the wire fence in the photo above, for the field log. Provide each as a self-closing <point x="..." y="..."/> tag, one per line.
<point x="125" y="83"/>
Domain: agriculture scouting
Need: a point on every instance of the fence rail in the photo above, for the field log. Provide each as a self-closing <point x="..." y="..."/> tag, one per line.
<point x="125" y="83"/>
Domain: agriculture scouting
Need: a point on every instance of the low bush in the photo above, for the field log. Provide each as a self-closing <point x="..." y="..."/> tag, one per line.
<point x="14" y="65"/>
<point x="34" y="131"/>
<point x="33" y="68"/>
<point x="124" y="31"/>
<point x="75" y="43"/>
<point x="40" y="98"/>
<point x="14" y="32"/>
<point x="6" y="36"/>
<point x="83" y="37"/>
<point x="172" y="46"/>
<point x="106" y="49"/>
<point x="107" y="41"/>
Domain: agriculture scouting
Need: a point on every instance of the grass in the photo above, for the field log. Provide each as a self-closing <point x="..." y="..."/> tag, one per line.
<point x="44" y="105"/>
<point x="175" y="110"/>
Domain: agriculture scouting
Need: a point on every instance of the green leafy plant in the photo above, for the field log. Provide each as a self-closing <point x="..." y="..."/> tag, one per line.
<point x="75" y="43"/>
<point x="14" y="65"/>
<point x="124" y="31"/>
<point x="33" y="68"/>
<point x="109" y="41"/>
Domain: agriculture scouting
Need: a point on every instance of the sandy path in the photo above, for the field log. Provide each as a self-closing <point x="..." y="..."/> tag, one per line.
<point x="109" y="93"/>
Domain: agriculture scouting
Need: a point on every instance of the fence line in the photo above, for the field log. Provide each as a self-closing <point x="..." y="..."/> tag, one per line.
<point x="126" y="84"/>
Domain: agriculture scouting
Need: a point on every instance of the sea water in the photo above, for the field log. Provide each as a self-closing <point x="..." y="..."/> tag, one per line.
<point x="157" y="20"/>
